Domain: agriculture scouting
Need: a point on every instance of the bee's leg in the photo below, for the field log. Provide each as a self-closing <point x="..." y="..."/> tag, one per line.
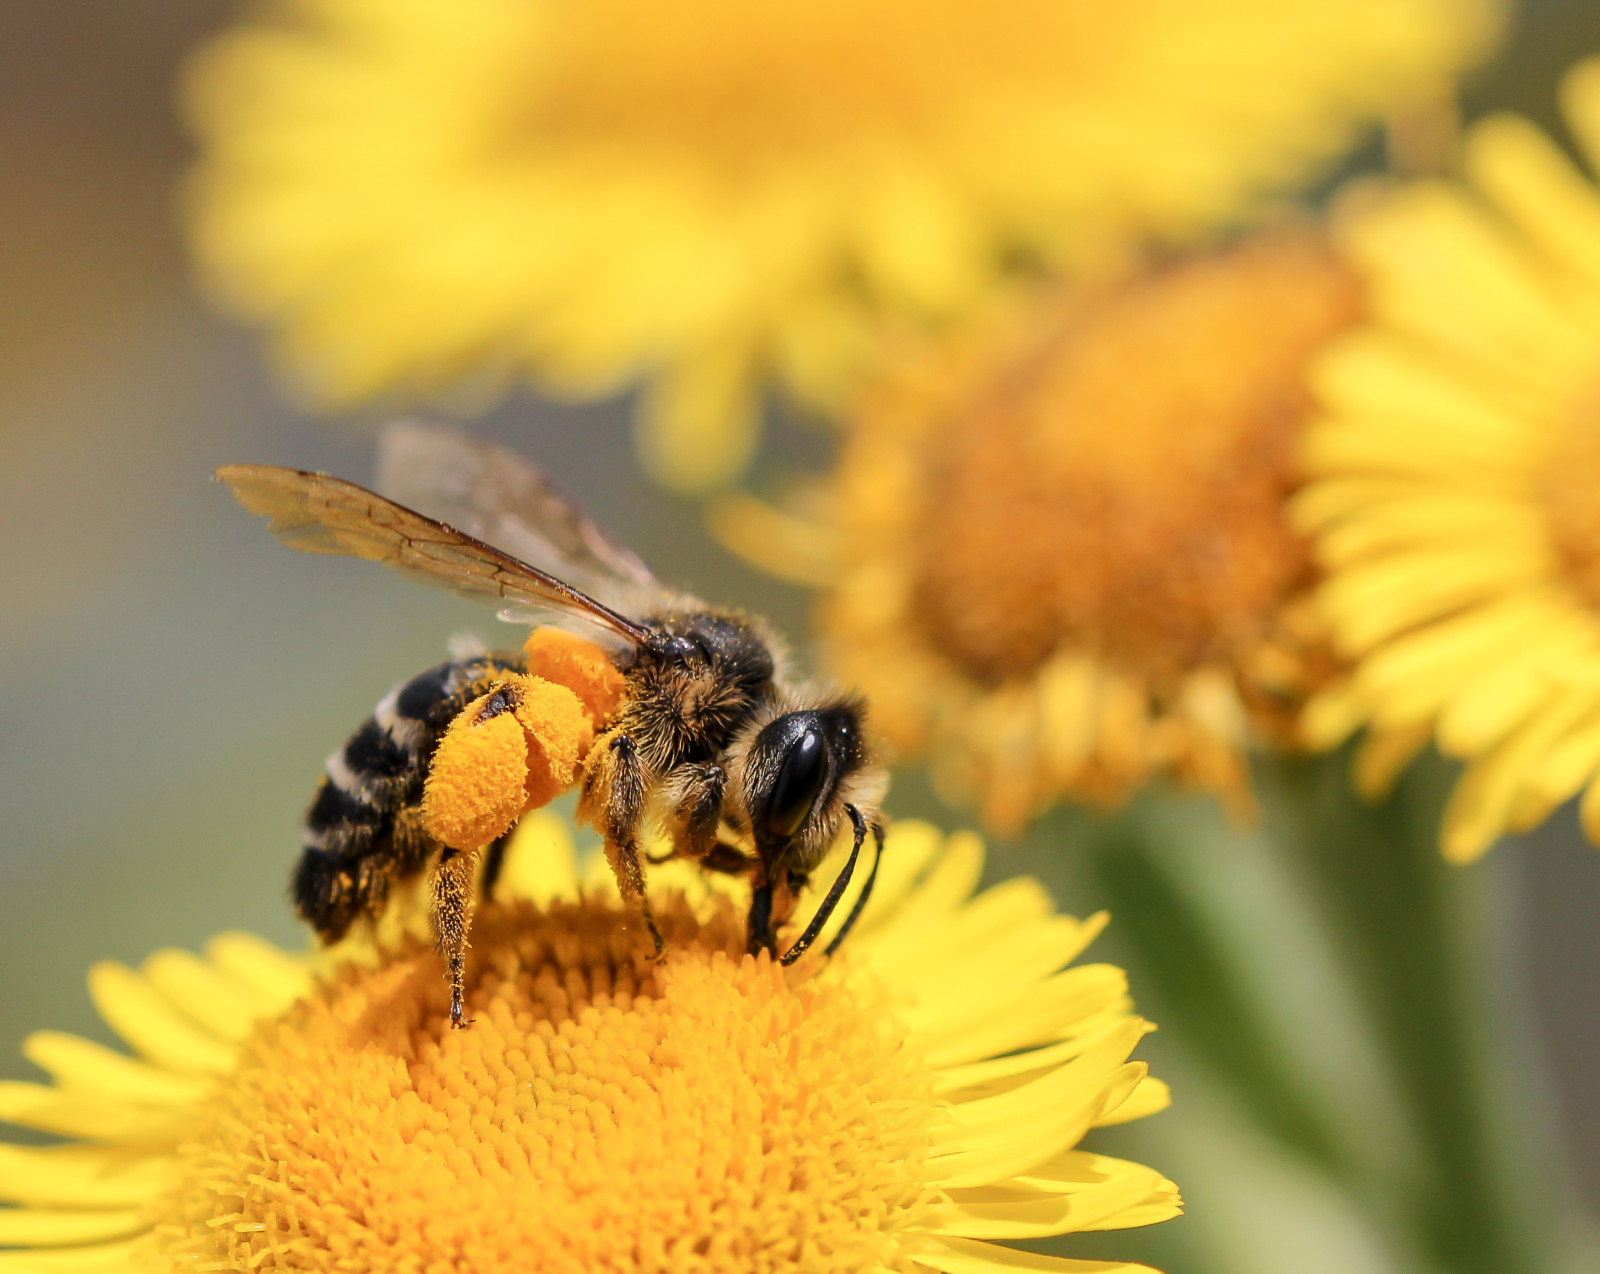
<point x="758" y="927"/>
<point x="701" y="808"/>
<point x="451" y="909"/>
<point x="728" y="859"/>
<point x="836" y="892"/>
<point x="614" y="787"/>
<point x="494" y="863"/>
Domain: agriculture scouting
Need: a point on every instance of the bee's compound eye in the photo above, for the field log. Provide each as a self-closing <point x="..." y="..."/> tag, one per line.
<point x="805" y="766"/>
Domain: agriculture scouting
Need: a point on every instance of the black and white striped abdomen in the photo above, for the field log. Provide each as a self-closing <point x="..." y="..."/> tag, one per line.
<point x="361" y="832"/>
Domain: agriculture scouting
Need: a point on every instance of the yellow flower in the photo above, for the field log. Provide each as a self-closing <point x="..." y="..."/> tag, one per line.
<point x="1456" y="509"/>
<point x="423" y="195"/>
<point x="1055" y="556"/>
<point x="896" y="1109"/>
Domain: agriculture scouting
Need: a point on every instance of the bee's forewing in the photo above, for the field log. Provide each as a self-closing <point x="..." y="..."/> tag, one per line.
<point x="316" y="513"/>
<point x="502" y="499"/>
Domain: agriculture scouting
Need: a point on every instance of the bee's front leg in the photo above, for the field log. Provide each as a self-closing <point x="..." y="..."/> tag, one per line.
<point x="615" y="783"/>
<point x="700" y="809"/>
<point x="773" y="898"/>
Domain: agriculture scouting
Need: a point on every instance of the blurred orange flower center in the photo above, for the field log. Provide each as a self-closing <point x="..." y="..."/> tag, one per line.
<point x="602" y="1111"/>
<point x="1117" y="486"/>
<point x="1567" y="483"/>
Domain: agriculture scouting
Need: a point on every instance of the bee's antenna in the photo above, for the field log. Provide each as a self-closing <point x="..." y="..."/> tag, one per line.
<point x="836" y="892"/>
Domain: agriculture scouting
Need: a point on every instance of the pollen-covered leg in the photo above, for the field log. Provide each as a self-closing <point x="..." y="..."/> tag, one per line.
<point x="700" y="808"/>
<point x="451" y="910"/>
<point x="614" y="787"/>
<point x="624" y="860"/>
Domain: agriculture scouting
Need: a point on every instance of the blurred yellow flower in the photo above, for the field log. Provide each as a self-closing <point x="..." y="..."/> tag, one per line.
<point x="896" y="1109"/>
<point x="1054" y="555"/>
<point x="425" y="196"/>
<point x="1456" y="508"/>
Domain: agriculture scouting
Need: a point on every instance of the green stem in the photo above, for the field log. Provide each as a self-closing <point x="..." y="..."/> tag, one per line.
<point x="1325" y="973"/>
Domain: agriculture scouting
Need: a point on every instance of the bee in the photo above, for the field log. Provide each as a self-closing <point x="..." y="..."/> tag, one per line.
<point x="744" y="766"/>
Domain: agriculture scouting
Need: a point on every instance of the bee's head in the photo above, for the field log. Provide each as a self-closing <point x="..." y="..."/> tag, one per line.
<point x="800" y="772"/>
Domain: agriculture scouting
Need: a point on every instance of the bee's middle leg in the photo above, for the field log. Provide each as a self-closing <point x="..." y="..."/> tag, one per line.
<point x="697" y="812"/>
<point x="494" y="862"/>
<point x="614" y="787"/>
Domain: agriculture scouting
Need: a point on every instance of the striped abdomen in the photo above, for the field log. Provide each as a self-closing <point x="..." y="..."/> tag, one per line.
<point x="362" y="831"/>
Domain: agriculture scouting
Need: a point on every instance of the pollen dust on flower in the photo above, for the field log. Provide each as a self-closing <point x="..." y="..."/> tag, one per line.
<point x="1117" y="486"/>
<point x="602" y="1111"/>
<point x="1567" y="483"/>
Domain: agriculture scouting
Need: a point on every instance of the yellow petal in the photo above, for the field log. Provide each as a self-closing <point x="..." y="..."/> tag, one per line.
<point x="145" y="1018"/>
<point x="993" y="1138"/>
<point x="1374" y="601"/>
<point x="953" y="1031"/>
<point x="278" y="978"/>
<point x="80" y="1176"/>
<point x="98" y="1258"/>
<point x="80" y="1064"/>
<point x="698" y="421"/>
<point x="1477" y="813"/>
<point x="1527" y="175"/>
<point x="969" y="1256"/>
<point x="1384" y="754"/>
<point x="1444" y="270"/>
<point x="925" y="908"/>
<point x="1017" y="1213"/>
<point x="92" y="1118"/>
<point x="1150" y="1097"/>
<point x="800" y="550"/>
<point x="41" y="1227"/>
<point x="205" y="994"/>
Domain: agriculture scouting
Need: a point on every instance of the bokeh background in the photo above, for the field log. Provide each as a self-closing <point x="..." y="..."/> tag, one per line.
<point x="170" y="679"/>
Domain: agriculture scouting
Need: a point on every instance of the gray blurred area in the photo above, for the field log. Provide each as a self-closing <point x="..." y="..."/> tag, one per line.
<point x="171" y="678"/>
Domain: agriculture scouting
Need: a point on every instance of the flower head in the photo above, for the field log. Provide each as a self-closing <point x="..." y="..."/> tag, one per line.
<point x="896" y="1109"/>
<point x="1055" y="556"/>
<point x="426" y="194"/>
<point x="1455" y="503"/>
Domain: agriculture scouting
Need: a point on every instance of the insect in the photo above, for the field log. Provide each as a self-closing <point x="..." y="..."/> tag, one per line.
<point x="746" y="768"/>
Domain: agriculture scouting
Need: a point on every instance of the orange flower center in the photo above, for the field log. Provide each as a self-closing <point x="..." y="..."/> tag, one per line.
<point x="602" y="1111"/>
<point x="1116" y="487"/>
<point x="1568" y="483"/>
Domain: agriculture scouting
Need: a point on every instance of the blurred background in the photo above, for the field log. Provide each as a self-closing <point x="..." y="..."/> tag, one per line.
<point x="170" y="678"/>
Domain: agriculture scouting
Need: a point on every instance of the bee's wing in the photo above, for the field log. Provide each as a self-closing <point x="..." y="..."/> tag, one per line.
<point x="497" y="496"/>
<point x="316" y="513"/>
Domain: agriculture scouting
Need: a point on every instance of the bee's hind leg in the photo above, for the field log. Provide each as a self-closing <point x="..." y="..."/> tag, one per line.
<point x="451" y="910"/>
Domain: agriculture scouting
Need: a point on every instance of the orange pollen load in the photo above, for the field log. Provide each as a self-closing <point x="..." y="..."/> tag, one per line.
<point x="1567" y="484"/>
<point x="602" y="1112"/>
<point x="1116" y="486"/>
